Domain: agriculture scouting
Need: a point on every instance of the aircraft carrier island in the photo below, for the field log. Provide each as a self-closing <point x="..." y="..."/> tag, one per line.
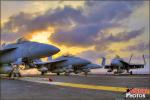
<point x="73" y="87"/>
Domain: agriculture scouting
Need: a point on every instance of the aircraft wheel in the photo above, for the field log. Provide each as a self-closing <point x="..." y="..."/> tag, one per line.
<point x="10" y="74"/>
<point x="42" y="73"/>
<point x="58" y="73"/>
<point x="131" y="73"/>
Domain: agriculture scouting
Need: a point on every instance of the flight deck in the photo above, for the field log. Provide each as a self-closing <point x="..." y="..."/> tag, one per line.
<point x="73" y="87"/>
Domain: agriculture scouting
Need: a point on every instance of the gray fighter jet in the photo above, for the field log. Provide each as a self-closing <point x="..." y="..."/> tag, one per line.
<point x="120" y="65"/>
<point x="67" y="64"/>
<point x="23" y="52"/>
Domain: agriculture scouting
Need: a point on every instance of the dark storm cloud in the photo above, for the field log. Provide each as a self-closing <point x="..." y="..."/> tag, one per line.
<point x="90" y="22"/>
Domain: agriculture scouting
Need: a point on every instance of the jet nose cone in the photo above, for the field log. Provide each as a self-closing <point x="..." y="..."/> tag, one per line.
<point x="55" y="50"/>
<point x="51" y="49"/>
<point x="83" y="62"/>
<point x="86" y="61"/>
<point x="39" y="50"/>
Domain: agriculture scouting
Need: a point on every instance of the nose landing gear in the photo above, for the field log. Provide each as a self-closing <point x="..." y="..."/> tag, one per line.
<point x="131" y="73"/>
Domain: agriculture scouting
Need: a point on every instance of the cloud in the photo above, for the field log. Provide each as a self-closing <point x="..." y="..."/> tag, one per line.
<point x="92" y="35"/>
<point x="125" y="36"/>
<point x="92" y="55"/>
<point x="80" y="36"/>
<point x="84" y="27"/>
<point x="16" y="26"/>
<point x="76" y="27"/>
<point x="97" y="18"/>
<point x="25" y="23"/>
<point x="62" y="18"/>
<point x="9" y="37"/>
<point x="102" y="11"/>
<point x="138" y="47"/>
<point x="106" y="40"/>
<point x="56" y="17"/>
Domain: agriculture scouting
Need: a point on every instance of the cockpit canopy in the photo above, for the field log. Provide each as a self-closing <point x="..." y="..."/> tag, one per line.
<point x="118" y="57"/>
<point x="13" y="45"/>
<point x="21" y="40"/>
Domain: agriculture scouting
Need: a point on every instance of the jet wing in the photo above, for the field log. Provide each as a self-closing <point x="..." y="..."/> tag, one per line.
<point x="49" y="62"/>
<point x="91" y="66"/>
<point x="125" y="63"/>
<point x="2" y="51"/>
<point x="135" y="66"/>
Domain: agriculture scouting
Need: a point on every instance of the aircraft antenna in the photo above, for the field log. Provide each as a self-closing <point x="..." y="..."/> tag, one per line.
<point x="130" y="58"/>
<point x="144" y="60"/>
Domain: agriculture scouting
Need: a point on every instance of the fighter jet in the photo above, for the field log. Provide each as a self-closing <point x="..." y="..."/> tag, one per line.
<point x="120" y="65"/>
<point x="67" y="64"/>
<point x="23" y="51"/>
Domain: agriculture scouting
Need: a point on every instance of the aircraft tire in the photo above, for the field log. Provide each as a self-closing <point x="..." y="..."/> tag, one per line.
<point x="131" y="73"/>
<point x="10" y="74"/>
<point x="58" y="73"/>
<point x="42" y="73"/>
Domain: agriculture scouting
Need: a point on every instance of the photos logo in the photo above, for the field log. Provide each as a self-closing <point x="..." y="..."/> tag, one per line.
<point x="136" y="93"/>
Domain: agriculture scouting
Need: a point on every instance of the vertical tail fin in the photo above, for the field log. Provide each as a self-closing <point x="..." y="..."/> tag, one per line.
<point x="103" y="61"/>
<point x="144" y="60"/>
<point x="130" y="58"/>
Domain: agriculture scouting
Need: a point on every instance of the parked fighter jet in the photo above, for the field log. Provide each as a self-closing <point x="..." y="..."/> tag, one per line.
<point x="23" y="51"/>
<point x="120" y="65"/>
<point x="67" y="64"/>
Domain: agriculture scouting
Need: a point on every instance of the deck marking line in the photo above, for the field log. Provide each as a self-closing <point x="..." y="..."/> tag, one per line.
<point x="84" y="86"/>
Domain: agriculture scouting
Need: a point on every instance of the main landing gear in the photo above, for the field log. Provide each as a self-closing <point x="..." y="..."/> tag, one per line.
<point x="131" y="73"/>
<point x="58" y="73"/>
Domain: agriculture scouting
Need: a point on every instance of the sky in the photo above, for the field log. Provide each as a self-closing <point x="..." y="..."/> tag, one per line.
<point x="88" y="29"/>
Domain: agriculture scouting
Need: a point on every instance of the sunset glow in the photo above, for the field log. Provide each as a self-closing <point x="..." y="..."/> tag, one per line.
<point x="80" y="28"/>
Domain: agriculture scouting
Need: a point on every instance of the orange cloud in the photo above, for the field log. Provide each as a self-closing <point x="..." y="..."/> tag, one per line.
<point x="41" y="36"/>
